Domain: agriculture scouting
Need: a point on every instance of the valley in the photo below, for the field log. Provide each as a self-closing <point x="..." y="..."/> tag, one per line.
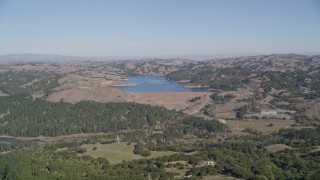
<point x="141" y="117"/>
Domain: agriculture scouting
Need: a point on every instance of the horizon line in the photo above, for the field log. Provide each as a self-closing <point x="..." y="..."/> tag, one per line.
<point x="186" y="56"/>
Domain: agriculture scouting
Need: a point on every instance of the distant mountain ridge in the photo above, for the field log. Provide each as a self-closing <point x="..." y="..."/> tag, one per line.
<point x="29" y="57"/>
<point x="40" y="57"/>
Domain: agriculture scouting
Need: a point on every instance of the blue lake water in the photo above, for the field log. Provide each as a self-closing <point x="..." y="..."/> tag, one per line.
<point x="8" y="140"/>
<point x="156" y="84"/>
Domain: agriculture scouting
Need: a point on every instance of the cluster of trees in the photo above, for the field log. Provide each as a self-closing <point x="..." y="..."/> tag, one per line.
<point x="218" y="99"/>
<point x="67" y="165"/>
<point x="311" y="95"/>
<point x="222" y="78"/>
<point x="33" y="118"/>
<point x="231" y="84"/>
<point x="312" y="136"/>
<point x="242" y="158"/>
<point x="29" y="117"/>
<point x="240" y="112"/>
<point x="251" y="131"/>
<point x="232" y="78"/>
<point x="7" y="147"/>
<point x="195" y="99"/>
<point x="250" y="160"/>
<point x="291" y="81"/>
<point x="139" y="149"/>
<point x="14" y="82"/>
<point x="207" y="125"/>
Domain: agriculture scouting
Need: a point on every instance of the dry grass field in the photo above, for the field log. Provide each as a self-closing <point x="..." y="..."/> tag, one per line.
<point x="180" y="172"/>
<point x="169" y="100"/>
<point x="312" y="107"/>
<point x="227" y="110"/>
<point x="237" y="126"/>
<point x="74" y="95"/>
<point x="219" y="177"/>
<point x="277" y="147"/>
<point x="2" y="94"/>
<point x="54" y="139"/>
<point x="316" y="148"/>
<point x="118" y="152"/>
<point x="61" y="69"/>
<point x="74" y="88"/>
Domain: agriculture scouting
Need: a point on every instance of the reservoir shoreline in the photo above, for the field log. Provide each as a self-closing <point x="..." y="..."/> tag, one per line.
<point x="145" y="84"/>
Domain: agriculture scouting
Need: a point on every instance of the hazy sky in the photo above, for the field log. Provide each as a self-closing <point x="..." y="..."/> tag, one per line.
<point x="159" y="27"/>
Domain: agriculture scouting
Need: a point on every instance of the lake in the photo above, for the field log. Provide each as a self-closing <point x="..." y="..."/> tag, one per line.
<point x="9" y="140"/>
<point x="12" y="140"/>
<point x="145" y="84"/>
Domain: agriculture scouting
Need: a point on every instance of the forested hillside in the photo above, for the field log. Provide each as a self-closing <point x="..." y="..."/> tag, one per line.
<point x="245" y="157"/>
<point x="28" y="81"/>
<point x="23" y="116"/>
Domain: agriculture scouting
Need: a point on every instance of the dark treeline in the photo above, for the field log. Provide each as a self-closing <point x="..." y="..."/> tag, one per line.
<point x="302" y="134"/>
<point x="202" y="124"/>
<point x="224" y="79"/>
<point x="27" y="117"/>
<point x="305" y="137"/>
